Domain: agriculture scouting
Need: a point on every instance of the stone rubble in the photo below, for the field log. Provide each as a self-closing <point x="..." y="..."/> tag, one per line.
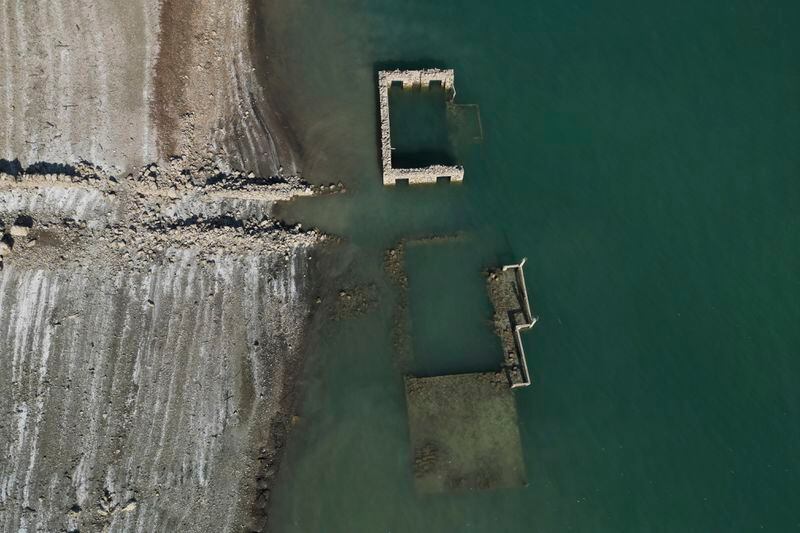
<point x="146" y="216"/>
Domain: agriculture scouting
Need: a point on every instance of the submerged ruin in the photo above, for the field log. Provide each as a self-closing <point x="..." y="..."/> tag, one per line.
<point x="464" y="432"/>
<point x="463" y="427"/>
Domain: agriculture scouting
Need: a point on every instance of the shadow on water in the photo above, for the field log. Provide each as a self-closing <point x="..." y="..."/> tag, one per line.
<point x="422" y="158"/>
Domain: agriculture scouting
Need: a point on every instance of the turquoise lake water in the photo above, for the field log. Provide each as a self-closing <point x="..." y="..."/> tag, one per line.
<point x="644" y="157"/>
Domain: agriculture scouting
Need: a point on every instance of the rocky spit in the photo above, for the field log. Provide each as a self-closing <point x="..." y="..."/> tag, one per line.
<point x="82" y="214"/>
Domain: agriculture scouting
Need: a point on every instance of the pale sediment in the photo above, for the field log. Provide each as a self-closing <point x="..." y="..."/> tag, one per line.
<point x="152" y="316"/>
<point x="76" y="81"/>
<point x="121" y="83"/>
<point x="150" y="329"/>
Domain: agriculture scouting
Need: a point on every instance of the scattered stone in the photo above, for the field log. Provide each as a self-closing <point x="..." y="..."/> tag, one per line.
<point x="355" y="301"/>
<point x="131" y="506"/>
<point x="19" y="231"/>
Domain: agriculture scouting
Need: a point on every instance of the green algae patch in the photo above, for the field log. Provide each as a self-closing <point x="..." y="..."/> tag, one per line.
<point x="464" y="433"/>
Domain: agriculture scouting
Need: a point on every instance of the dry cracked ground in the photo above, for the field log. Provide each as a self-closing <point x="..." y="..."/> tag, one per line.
<point x="152" y="310"/>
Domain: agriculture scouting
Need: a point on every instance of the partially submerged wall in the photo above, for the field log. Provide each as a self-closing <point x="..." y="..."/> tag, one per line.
<point x="125" y="82"/>
<point x="408" y="79"/>
<point x="512" y="316"/>
<point x="76" y="80"/>
<point x="150" y="329"/>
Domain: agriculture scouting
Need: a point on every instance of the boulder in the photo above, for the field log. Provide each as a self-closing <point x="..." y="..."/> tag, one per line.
<point x="19" y="231"/>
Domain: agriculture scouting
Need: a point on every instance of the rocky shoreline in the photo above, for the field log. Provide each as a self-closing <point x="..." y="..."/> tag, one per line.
<point x="153" y="311"/>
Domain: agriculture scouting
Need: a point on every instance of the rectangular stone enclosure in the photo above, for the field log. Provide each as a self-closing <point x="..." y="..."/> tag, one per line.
<point x="410" y="78"/>
<point x="464" y="433"/>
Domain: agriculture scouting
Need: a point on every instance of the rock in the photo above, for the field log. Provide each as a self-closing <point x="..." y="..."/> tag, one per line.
<point x="130" y="507"/>
<point x="19" y="231"/>
<point x="5" y="249"/>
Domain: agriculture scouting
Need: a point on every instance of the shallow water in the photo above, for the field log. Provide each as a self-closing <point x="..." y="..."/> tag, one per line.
<point x="644" y="158"/>
<point x="419" y="127"/>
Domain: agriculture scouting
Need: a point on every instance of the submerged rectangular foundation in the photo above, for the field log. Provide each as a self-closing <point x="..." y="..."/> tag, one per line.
<point x="464" y="432"/>
<point x="408" y="79"/>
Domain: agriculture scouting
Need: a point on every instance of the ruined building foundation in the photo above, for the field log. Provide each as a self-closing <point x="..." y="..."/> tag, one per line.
<point x="410" y="78"/>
